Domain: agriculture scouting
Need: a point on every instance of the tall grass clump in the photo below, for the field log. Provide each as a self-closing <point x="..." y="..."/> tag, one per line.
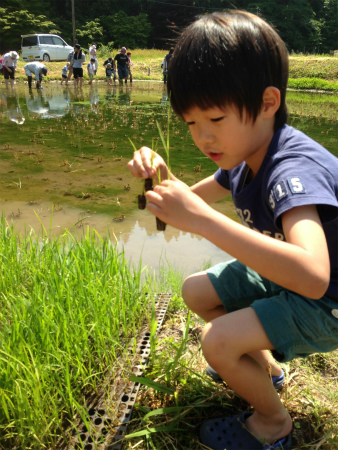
<point x="68" y="309"/>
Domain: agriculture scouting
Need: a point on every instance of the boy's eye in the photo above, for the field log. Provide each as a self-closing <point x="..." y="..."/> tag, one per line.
<point x="217" y="119"/>
<point x="190" y="123"/>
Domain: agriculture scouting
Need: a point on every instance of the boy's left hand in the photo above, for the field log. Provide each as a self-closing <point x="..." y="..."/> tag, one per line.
<point x="175" y="204"/>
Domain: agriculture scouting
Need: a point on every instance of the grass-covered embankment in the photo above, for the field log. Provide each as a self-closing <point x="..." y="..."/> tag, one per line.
<point x="306" y="72"/>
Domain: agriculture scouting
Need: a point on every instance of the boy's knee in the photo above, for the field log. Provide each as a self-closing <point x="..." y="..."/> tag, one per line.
<point x="211" y="343"/>
<point x="189" y="291"/>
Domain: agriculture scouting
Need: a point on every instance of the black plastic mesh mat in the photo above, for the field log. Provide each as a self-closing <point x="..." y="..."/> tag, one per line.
<point x="110" y="412"/>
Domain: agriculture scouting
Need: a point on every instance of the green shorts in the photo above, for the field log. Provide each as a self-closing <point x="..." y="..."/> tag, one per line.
<point x="297" y="326"/>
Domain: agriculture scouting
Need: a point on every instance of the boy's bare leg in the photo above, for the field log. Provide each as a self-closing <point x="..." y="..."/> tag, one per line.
<point x="226" y="344"/>
<point x="201" y="298"/>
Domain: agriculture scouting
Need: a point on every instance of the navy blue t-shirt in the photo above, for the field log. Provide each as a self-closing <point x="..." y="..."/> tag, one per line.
<point x="296" y="171"/>
<point x="122" y="59"/>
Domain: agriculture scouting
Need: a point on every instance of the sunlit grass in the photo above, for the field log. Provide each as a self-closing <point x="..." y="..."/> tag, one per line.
<point x="68" y="308"/>
<point x="147" y="66"/>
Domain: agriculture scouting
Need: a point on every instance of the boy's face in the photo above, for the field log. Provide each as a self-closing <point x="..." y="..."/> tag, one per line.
<point x="227" y="139"/>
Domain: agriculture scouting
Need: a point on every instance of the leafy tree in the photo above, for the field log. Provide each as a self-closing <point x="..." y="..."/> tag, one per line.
<point x="127" y="31"/>
<point x="15" y="23"/>
<point x="329" y="16"/>
<point x="91" y="32"/>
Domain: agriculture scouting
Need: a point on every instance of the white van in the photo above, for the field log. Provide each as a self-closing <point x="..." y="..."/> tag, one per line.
<point x="44" y="47"/>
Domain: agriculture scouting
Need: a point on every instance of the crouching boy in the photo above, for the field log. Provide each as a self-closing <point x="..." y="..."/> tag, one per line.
<point x="280" y="292"/>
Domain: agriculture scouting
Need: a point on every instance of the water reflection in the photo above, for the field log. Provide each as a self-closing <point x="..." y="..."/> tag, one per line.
<point x="185" y="252"/>
<point x="48" y="104"/>
<point x="76" y="154"/>
<point x="136" y="235"/>
<point x="9" y="103"/>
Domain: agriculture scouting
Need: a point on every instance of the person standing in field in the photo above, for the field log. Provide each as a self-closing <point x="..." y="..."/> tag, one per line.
<point x="112" y="66"/>
<point x="78" y="59"/>
<point x="64" y="73"/>
<point x="122" y="62"/>
<point x="9" y="64"/>
<point x="165" y="64"/>
<point x="278" y="298"/>
<point x="70" y="68"/>
<point x="129" y="68"/>
<point x="109" y="72"/>
<point x="91" y="70"/>
<point x="93" y="54"/>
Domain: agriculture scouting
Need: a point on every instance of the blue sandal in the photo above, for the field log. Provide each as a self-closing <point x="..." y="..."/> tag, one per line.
<point x="278" y="382"/>
<point x="230" y="433"/>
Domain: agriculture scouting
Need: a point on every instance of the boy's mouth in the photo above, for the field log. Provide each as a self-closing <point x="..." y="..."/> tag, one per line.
<point x="215" y="156"/>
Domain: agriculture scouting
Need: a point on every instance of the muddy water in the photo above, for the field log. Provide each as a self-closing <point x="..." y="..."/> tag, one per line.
<point x="135" y="234"/>
<point x="63" y="164"/>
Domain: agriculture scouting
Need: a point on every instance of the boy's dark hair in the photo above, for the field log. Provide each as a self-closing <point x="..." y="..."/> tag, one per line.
<point x="228" y="59"/>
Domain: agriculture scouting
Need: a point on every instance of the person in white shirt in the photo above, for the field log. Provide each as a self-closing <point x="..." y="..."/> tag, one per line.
<point x="93" y="54"/>
<point x="9" y="63"/>
<point x="38" y="69"/>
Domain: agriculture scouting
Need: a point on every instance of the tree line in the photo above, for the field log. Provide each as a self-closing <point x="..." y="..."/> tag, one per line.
<point x="308" y="26"/>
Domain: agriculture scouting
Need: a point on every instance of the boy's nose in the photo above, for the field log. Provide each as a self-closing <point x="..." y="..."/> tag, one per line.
<point x="205" y="135"/>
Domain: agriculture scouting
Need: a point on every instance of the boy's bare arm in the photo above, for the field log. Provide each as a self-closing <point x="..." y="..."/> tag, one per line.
<point x="209" y="190"/>
<point x="300" y="264"/>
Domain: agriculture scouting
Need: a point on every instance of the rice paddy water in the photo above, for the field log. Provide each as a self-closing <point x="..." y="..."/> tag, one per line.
<point x="73" y="243"/>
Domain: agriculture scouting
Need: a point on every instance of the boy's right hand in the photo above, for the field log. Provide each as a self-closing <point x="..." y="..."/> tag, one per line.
<point x="148" y="164"/>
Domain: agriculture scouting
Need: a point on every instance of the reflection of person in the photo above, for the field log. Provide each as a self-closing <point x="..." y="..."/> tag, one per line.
<point x="13" y="108"/>
<point x="94" y="99"/>
<point x="78" y="59"/>
<point x="51" y="105"/>
<point x="36" y="102"/>
<point x="165" y="64"/>
<point x="9" y="63"/>
<point x="122" y="62"/>
<point x="38" y="69"/>
<point x="281" y="292"/>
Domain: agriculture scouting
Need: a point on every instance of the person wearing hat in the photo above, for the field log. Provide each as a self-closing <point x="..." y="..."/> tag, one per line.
<point x="38" y="69"/>
<point x="78" y="59"/>
<point x="93" y="54"/>
<point x="112" y="65"/>
<point x="9" y="63"/>
<point x="122" y="61"/>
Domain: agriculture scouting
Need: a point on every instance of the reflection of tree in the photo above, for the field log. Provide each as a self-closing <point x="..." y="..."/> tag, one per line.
<point x="145" y="228"/>
<point x="11" y="103"/>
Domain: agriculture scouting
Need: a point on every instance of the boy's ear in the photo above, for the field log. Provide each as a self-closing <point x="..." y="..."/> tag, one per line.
<point x="271" y="101"/>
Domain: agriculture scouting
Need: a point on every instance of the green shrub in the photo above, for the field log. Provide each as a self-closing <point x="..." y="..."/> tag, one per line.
<point x="313" y="83"/>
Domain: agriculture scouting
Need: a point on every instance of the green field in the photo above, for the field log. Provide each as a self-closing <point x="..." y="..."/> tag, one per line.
<point x="147" y="66"/>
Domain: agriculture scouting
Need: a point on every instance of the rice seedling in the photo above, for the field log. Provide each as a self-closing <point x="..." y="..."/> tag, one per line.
<point x="68" y="309"/>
